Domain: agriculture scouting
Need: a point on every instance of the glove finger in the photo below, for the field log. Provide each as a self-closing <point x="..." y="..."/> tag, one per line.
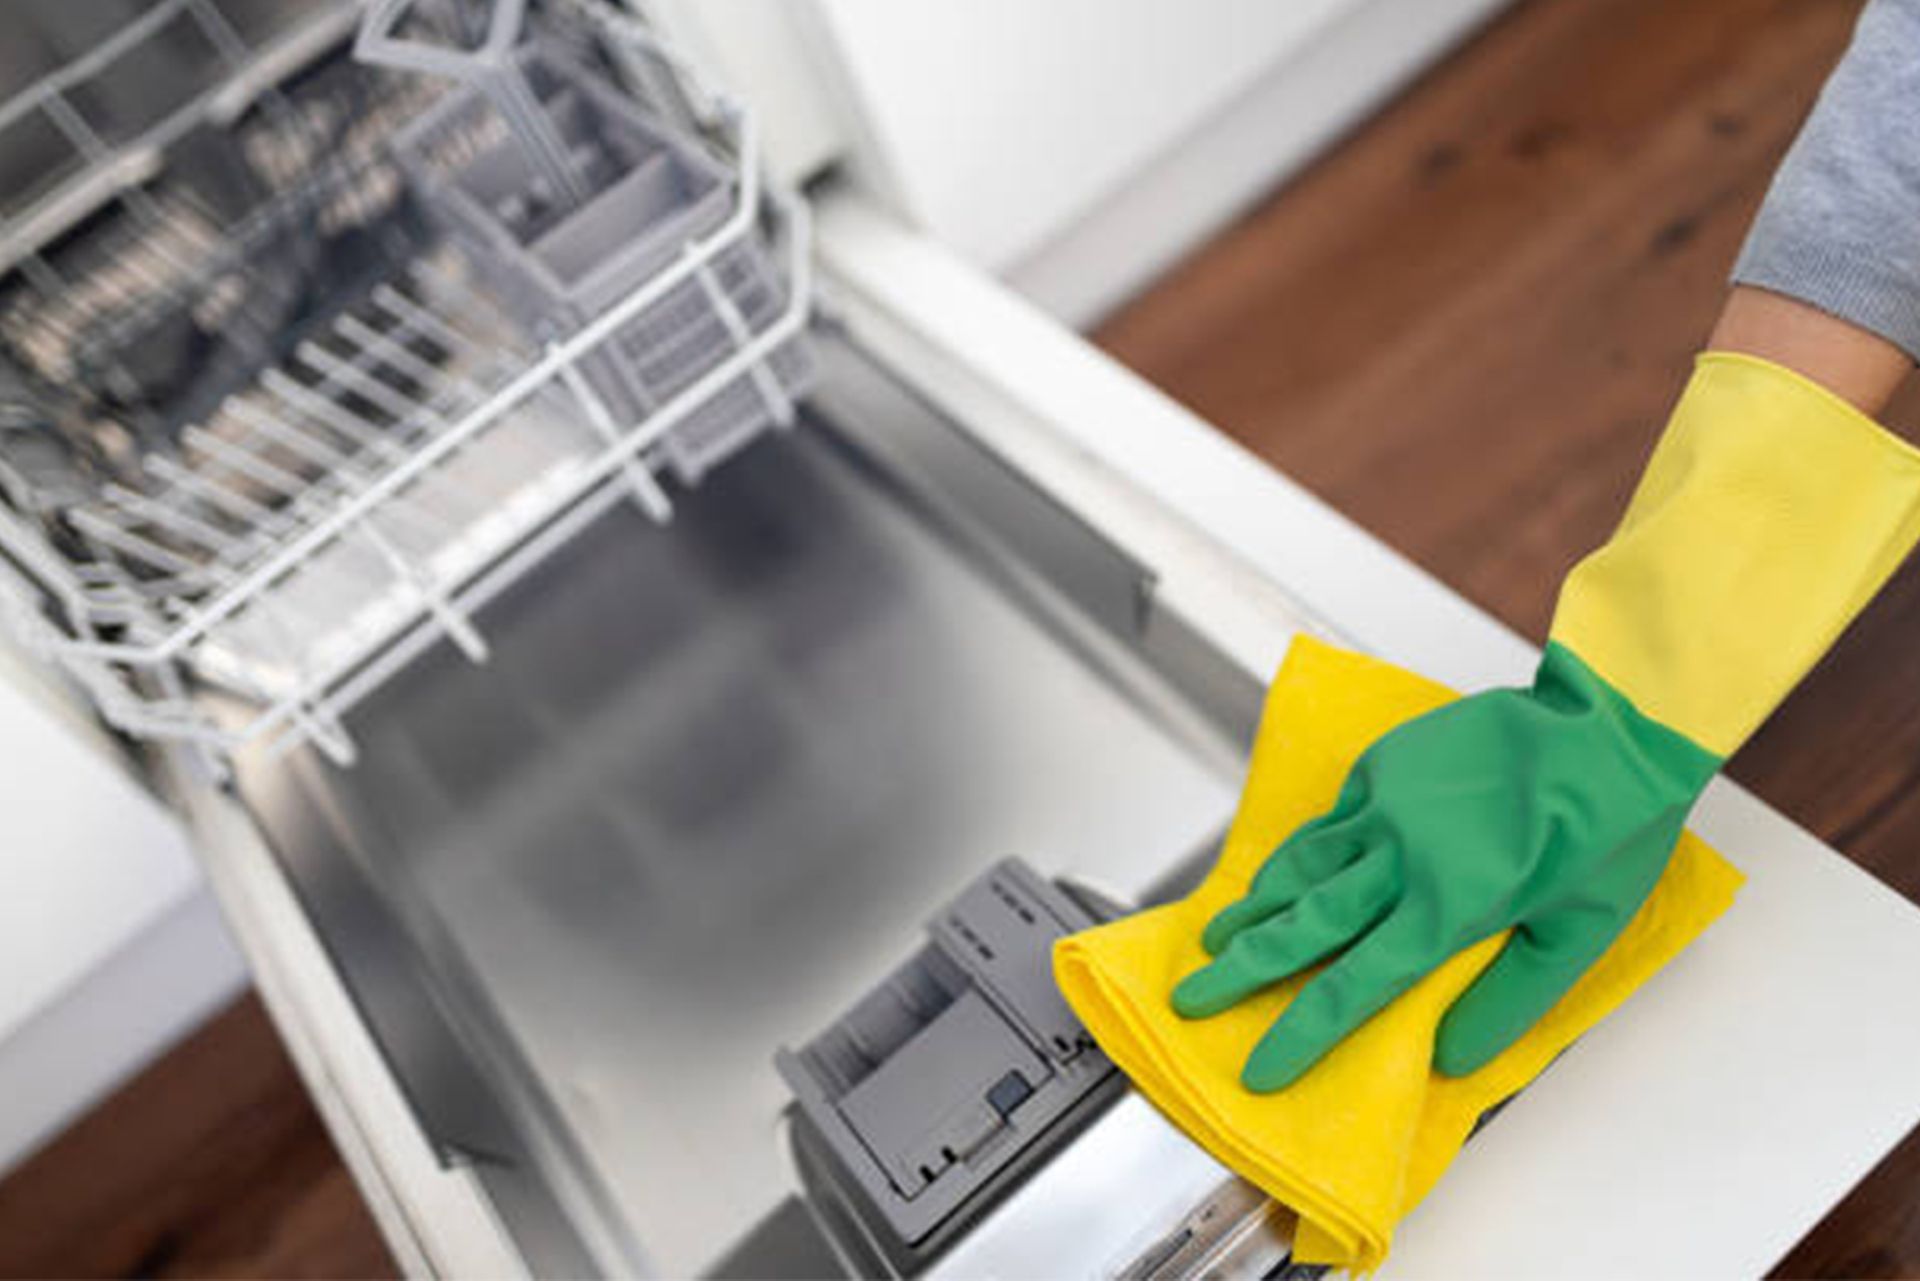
<point x="1547" y="955"/>
<point x="1389" y="960"/>
<point x="1327" y="918"/>
<point x="1534" y="970"/>
<point x="1316" y="852"/>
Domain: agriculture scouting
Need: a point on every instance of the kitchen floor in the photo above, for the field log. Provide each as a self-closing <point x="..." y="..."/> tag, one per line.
<point x="211" y="1163"/>
<point x="1462" y="327"/>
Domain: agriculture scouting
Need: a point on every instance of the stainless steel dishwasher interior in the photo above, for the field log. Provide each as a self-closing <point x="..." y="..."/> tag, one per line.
<point x="706" y="791"/>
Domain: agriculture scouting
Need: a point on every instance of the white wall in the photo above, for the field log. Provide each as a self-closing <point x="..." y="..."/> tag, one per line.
<point x="109" y="948"/>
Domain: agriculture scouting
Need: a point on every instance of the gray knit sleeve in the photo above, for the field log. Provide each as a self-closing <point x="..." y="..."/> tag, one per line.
<point x="1840" y="227"/>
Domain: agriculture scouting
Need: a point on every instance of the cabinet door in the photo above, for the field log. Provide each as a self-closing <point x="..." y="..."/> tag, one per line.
<point x="1004" y="121"/>
<point x="1078" y="147"/>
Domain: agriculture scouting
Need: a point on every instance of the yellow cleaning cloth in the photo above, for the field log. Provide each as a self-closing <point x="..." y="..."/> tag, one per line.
<point x="1362" y="1137"/>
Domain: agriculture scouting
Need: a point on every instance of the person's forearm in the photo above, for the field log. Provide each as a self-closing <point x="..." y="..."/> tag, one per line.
<point x="1855" y="364"/>
<point x="1828" y="282"/>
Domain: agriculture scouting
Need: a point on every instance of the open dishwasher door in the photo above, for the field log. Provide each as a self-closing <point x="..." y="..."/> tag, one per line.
<point x="539" y="951"/>
<point x="598" y="899"/>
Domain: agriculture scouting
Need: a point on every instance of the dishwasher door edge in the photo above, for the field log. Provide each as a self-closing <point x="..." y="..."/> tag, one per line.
<point x="1248" y="554"/>
<point x="435" y="1218"/>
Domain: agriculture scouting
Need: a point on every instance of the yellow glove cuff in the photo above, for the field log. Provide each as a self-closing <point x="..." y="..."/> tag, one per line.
<point x="1771" y="512"/>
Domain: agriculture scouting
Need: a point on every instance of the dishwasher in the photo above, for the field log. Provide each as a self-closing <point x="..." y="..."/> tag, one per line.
<point x="650" y="647"/>
<point x="676" y="701"/>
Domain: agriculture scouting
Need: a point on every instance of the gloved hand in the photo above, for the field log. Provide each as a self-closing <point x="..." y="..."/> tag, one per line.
<point x="1550" y="810"/>
<point x="1768" y="516"/>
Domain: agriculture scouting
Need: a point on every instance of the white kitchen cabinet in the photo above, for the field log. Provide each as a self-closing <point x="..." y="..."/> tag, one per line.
<point x="1002" y="124"/>
<point x="1077" y="148"/>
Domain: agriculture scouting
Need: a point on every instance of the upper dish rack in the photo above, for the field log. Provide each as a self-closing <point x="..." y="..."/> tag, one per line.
<point x="297" y="378"/>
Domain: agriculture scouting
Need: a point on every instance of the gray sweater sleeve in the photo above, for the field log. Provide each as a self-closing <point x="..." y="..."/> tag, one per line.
<point x="1840" y="227"/>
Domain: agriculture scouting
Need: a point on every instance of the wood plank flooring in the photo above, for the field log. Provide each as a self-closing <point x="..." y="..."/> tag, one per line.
<point x="1463" y="327"/>
<point x="211" y="1163"/>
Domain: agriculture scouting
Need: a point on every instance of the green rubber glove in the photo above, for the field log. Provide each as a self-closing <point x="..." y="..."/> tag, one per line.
<point x="1770" y="513"/>
<point x="1550" y="810"/>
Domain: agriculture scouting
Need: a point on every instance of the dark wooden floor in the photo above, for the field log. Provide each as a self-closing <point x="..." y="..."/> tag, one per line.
<point x="1463" y="327"/>
<point x="211" y="1163"/>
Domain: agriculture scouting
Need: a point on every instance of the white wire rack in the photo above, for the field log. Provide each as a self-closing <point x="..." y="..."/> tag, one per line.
<point x="344" y="483"/>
